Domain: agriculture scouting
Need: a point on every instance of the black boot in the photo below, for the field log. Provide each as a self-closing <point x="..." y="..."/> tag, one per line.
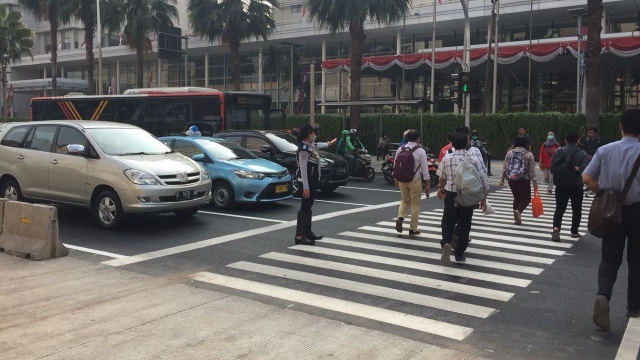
<point x="301" y="226"/>
<point x="308" y="232"/>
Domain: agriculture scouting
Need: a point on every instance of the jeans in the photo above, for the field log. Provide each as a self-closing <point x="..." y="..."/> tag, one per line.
<point x="456" y="215"/>
<point x="563" y="194"/>
<point x="521" y="190"/>
<point x="352" y="162"/>
<point x="612" y="249"/>
<point x="411" y="196"/>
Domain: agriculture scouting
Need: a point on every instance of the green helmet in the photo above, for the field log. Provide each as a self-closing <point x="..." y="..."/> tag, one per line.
<point x="345" y="132"/>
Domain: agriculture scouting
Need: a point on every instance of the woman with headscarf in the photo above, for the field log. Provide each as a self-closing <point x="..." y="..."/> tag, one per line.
<point x="546" y="152"/>
<point x="308" y="176"/>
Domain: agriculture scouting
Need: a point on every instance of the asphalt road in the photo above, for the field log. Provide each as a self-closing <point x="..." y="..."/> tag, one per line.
<point x="519" y="296"/>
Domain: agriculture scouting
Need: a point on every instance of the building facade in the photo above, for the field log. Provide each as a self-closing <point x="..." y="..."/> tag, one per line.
<point x="537" y="67"/>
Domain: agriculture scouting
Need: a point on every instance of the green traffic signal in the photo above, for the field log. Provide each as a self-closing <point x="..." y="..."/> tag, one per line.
<point x="465" y="88"/>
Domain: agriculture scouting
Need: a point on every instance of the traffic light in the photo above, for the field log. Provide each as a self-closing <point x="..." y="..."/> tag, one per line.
<point x="464" y="82"/>
<point x="456" y="93"/>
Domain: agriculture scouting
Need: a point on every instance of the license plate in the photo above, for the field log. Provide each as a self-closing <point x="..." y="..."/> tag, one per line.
<point x="185" y="195"/>
<point x="282" y="188"/>
<point x="342" y="170"/>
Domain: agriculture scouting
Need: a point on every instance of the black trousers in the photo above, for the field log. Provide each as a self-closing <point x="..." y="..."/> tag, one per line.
<point x="306" y="204"/>
<point x="455" y="215"/>
<point x="563" y="194"/>
<point x="612" y="249"/>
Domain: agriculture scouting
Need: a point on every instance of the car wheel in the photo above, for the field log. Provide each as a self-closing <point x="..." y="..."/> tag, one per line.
<point x="107" y="210"/>
<point x="369" y="173"/>
<point x="434" y="179"/>
<point x="11" y="191"/>
<point x="186" y="213"/>
<point x="222" y="194"/>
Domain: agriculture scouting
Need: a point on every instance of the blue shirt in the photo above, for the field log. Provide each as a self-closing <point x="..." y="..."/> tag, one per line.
<point x="612" y="164"/>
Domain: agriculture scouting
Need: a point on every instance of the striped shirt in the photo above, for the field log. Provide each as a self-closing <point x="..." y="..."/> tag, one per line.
<point x="612" y="164"/>
<point x="447" y="168"/>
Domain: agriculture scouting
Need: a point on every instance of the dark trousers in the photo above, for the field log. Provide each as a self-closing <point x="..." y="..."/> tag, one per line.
<point x="306" y="204"/>
<point x="612" y="250"/>
<point x="456" y="215"/>
<point x="382" y="151"/>
<point x="521" y="190"/>
<point x="563" y="194"/>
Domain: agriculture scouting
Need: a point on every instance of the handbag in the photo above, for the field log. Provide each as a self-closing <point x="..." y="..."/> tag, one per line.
<point x="536" y="204"/>
<point x="606" y="209"/>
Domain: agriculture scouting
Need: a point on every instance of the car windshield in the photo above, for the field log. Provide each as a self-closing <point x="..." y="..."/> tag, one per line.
<point x="225" y="150"/>
<point x="284" y="142"/>
<point x="127" y="141"/>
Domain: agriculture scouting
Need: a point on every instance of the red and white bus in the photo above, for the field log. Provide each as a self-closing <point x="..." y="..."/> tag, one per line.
<point x="163" y="111"/>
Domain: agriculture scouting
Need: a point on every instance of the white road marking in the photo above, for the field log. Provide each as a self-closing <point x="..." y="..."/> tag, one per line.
<point x="476" y="241"/>
<point x="241" y="216"/>
<point x="497" y="220"/>
<point x="370" y="189"/>
<point x="340" y="202"/>
<point x="436" y="245"/>
<point x="438" y="269"/>
<point x="630" y="344"/>
<point x="341" y="306"/>
<point x="369" y="289"/>
<point x="393" y="276"/>
<point x="93" y="251"/>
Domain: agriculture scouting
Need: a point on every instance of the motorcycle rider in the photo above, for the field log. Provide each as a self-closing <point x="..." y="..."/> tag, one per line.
<point x="354" y="143"/>
<point x="342" y="150"/>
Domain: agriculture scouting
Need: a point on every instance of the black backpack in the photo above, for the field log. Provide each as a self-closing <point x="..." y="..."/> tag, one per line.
<point x="563" y="168"/>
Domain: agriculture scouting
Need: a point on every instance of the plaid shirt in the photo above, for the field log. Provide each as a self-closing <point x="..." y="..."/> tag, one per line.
<point x="447" y="167"/>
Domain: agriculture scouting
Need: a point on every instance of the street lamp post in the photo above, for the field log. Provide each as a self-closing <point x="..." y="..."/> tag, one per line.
<point x="578" y="12"/>
<point x="99" y="32"/>
<point x="5" y="57"/>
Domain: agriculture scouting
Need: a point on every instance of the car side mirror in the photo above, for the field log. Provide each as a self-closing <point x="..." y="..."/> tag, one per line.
<point x="199" y="157"/>
<point x="267" y="149"/>
<point x="75" y="149"/>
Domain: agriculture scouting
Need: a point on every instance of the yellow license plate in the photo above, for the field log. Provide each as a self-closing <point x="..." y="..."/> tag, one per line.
<point x="282" y="188"/>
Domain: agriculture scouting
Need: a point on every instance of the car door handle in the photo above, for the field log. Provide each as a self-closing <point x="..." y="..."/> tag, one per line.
<point x="54" y="162"/>
<point x="19" y="156"/>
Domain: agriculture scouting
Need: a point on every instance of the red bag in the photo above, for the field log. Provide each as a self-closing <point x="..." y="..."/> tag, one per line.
<point x="536" y="204"/>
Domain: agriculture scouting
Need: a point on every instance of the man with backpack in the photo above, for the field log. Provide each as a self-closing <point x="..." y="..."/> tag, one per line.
<point x="567" y="164"/>
<point x="463" y="185"/>
<point x="410" y="169"/>
<point x="520" y="170"/>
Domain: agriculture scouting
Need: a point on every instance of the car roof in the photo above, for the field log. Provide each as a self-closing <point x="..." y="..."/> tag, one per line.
<point x="85" y="124"/>
<point x="252" y="131"/>
<point x="195" y="138"/>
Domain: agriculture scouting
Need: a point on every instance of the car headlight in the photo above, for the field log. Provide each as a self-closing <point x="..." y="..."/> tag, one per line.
<point x="248" y="174"/>
<point x="204" y="174"/>
<point x="324" y="164"/>
<point x="140" y="177"/>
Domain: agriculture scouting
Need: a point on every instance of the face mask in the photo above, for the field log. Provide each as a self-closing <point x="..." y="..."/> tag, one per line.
<point x="313" y="138"/>
<point x="550" y="137"/>
<point x="474" y="137"/>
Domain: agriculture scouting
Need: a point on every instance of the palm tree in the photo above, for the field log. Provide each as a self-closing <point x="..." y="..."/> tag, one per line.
<point x="231" y="22"/>
<point x="592" y="61"/>
<point x="16" y="39"/>
<point x="85" y="11"/>
<point x="136" y="20"/>
<point x="48" y="9"/>
<point x="336" y="15"/>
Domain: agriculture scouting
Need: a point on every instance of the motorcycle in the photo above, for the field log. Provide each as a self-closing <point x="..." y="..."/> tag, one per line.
<point x="387" y="168"/>
<point x="363" y="165"/>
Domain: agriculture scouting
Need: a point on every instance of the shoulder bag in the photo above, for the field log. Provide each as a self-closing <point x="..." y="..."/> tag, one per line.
<point x="606" y="210"/>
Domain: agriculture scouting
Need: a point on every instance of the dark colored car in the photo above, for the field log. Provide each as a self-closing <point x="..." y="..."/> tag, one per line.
<point x="281" y="148"/>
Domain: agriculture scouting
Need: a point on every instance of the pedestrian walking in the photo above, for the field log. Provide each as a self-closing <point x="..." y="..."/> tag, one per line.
<point x="308" y="176"/>
<point x="591" y="142"/>
<point x="476" y="142"/>
<point x="411" y="190"/>
<point x="609" y="169"/>
<point x="455" y="216"/>
<point x="520" y="170"/>
<point x="383" y="146"/>
<point x="544" y="157"/>
<point x="567" y="165"/>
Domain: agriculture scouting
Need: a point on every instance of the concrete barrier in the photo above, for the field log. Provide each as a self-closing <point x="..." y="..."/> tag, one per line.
<point x="30" y="231"/>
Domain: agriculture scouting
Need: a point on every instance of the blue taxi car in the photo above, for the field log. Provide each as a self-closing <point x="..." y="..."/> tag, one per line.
<point x="237" y="175"/>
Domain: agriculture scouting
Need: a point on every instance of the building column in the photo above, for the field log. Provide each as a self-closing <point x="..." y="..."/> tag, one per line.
<point x="260" y="71"/>
<point x="399" y="79"/>
<point x="206" y="69"/>
<point x="540" y="88"/>
<point x="159" y="73"/>
<point x="603" y="21"/>
<point x="117" y="76"/>
<point x="323" y="87"/>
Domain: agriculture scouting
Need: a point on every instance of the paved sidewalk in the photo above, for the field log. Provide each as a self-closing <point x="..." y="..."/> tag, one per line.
<point x="68" y="309"/>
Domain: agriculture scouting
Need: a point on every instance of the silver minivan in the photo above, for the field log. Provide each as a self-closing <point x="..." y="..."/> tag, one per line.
<point x="113" y="169"/>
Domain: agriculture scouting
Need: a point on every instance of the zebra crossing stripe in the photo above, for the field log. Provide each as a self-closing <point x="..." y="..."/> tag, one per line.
<point x="630" y="343"/>
<point x="500" y="220"/>
<point x="438" y="269"/>
<point x="474" y="234"/>
<point x="436" y="245"/>
<point x="413" y="322"/>
<point x="369" y="289"/>
<point x="436" y="235"/>
<point x="435" y="256"/>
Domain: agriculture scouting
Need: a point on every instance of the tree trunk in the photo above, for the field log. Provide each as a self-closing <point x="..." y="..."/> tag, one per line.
<point x="53" y="20"/>
<point x="592" y="61"/>
<point x="88" y="43"/>
<point x="234" y="48"/>
<point x="356" y="29"/>
<point x="140" y="68"/>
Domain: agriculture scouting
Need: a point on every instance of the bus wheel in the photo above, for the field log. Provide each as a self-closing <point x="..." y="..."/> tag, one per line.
<point x="223" y="197"/>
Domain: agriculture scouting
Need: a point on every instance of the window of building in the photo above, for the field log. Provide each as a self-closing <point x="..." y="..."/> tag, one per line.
<point x="296" y="9"/>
